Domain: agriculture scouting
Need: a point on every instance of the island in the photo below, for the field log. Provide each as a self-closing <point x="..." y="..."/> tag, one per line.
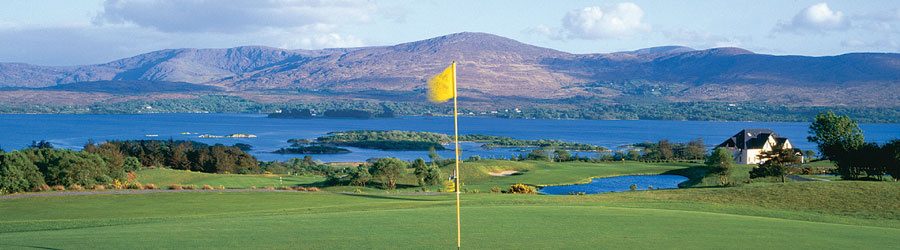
<point x="239" y="135"/>
<point x="421" y="141"/>
<point x="312" y="150"/>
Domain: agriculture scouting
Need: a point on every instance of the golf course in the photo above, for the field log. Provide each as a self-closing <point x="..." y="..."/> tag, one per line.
<point x="761" y="214"/>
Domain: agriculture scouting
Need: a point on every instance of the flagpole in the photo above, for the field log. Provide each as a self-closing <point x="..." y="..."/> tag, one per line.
<point x="456" y="139"/>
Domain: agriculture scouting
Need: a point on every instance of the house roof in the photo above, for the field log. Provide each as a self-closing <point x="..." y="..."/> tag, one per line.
<point x="751" y="138"/>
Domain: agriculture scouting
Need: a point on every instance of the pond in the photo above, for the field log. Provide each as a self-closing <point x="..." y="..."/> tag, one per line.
<point x="618" y="184"/>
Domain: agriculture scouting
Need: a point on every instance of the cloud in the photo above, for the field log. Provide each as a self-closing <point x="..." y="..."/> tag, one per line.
<point x="884" y="21"/>
<point x="882" y="45"/>
<point x="614" y="21"/>
<point x="816" y="18"/>
<point x="233" y="16"/>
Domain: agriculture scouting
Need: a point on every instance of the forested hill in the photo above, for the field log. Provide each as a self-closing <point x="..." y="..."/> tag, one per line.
<point x="492" y="67"/>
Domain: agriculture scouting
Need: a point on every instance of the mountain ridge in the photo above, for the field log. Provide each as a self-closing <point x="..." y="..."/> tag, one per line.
<point x="491" y="65"/>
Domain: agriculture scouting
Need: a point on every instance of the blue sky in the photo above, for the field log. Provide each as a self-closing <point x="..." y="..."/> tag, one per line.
<point x="74" y="32"/>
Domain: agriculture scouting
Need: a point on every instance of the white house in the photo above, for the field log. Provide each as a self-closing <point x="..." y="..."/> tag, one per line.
<point x="745" y="146"/>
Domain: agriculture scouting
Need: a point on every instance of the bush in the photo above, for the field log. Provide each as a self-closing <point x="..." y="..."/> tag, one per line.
<point x="98" y="187"/>
<point x="190" y="186"/>
<point x="269" y="188"/>
<point x="207" y="187"/>
<point x="633" y="187"/>
<point x="58" y="188"/>
<point x="312" y="189"/>
<point x="41" y="188"/>
<point x="301" y="189"/>
<point x="495" y="190"/>
<point x="253" y="187"/>
<point x="521" y="189"/>
<point x="76" y="187"/>
<point x="149" y="186"/>
<point x="220" y="187"/>
<point x="136" y="185"/>
<point x="175" y="187"/>
<point x="286" y="188"/>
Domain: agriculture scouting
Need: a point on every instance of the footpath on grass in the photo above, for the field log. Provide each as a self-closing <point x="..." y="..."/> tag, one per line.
<point x="198" y="190"/>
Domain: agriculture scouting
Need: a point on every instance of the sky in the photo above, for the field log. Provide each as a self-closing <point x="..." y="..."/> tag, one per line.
<point x="79" y="32"/>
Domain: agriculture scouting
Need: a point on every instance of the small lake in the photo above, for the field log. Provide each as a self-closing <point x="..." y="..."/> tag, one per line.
<point x="618" y="184"/>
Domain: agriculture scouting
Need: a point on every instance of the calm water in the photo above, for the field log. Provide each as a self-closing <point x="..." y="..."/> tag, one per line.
<point x="618" y="184"/>
<point x="72" y="131"/>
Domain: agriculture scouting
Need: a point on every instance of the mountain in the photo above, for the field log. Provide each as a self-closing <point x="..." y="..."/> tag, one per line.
<point x="491" y="66"/>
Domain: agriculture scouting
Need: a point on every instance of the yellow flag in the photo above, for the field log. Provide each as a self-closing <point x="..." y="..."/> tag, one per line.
<point x="441" y="87"/>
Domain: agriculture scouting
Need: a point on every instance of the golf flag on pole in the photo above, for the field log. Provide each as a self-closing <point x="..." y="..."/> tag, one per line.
<point x="442" y="87"/>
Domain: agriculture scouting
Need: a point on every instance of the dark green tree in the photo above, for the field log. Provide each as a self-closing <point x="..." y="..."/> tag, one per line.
<point x="775" y="163"/>
<point x="695" y="149"/>
<point x="389" y="171"/>
<point x="634" y="155"/>
<point x="837" y="137"/>
<point x="421" y="170"/>
<point x="665" y="150"/>
<point x="360" y="175"/>
<point x="18" y="173"/>
<point x="891" y="151"/>
<point x="719" y="162"/>
<point x="537" y="155"/>
<point x="560" y="155"/>
<point x="434" y="176"/>
<point x="132" y="164"/>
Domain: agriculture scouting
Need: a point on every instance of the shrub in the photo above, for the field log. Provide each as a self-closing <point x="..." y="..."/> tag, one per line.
<point x="269" y="188"/>
<point x="475" y="191"/>
<point x="357" y="191"/>
<point x="190" y="186"/>
<point x="633" y="187"/>
<point x="301" y="189"/>
<point x="495" y="190"/>
<point x="312" y="189"/>
<point x="220" y="187"/>
<point x="41" y="188"/>
<point x="521" y="189"/>
<point x="286" y="188"/>
<point x="98" y="187"/>
<point x="253" y="187"/>
<point x="58" y="188"/>
<point x="149" y="186"/>
<point x="650" y="187"/>
<point x="76" y="187"/>
<point x="175" y="187"/>
<point x="131" y="176"/>
<point x="207" y="187"/>
<point x="135" y="185"/>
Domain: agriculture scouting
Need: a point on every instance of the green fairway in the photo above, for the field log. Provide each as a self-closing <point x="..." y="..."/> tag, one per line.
<point x="756" y="216"/>
<point x="165" y="177"/>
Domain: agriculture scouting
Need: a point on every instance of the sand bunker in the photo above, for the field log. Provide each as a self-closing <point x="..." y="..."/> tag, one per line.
<point x="504" y="173"/>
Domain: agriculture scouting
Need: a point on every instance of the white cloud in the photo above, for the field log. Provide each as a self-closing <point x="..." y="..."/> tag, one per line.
<point x="816" y="18"/>
<point x="614" y="21"/>
<point x="232" y="16"/>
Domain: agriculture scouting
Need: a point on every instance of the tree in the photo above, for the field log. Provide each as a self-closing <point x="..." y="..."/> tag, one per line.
<point x="810" y="154"/>
<point x="560" y="155"/>
<point x="388" y="170"/>
<point x="665" y="149"/>
<point x="421" y="169"/>
<point x="719" y="162"/>
<point x="837" y="137"/>
<point x="40" y="145"/>
<point x="360" y="176"/>
<point x="434" y="156"/>
<point x="132" y="164"/>
<point x="537" y="155"/>
<point x="434" y="175"/>
<point x="775" y="162"/>
<point x="634" y="155"/>
<point x="891" y="151"/>
<point x="18" y="173"/>
<point x="695" y="149"/>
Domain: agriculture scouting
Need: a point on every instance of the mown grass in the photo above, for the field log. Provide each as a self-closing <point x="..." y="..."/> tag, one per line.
<point x="800" y="215"/>
<point x="166" y="177"/>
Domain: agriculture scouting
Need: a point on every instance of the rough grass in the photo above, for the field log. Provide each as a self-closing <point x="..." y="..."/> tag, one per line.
<point x="793" y="215"/>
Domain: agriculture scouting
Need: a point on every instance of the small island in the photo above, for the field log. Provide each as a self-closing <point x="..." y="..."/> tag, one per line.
<point x="312" y="150"/>
<point x="336" y="113"/>
<point x="421" y="141"/>
<point x="238" y="135"/>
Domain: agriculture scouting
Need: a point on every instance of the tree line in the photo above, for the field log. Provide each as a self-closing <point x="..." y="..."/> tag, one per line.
<point x="840" y="140"/>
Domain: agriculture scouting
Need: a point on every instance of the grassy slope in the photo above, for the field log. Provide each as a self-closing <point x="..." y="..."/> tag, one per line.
<point x="165" y="177"/>
<point x="758" y="216"/>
